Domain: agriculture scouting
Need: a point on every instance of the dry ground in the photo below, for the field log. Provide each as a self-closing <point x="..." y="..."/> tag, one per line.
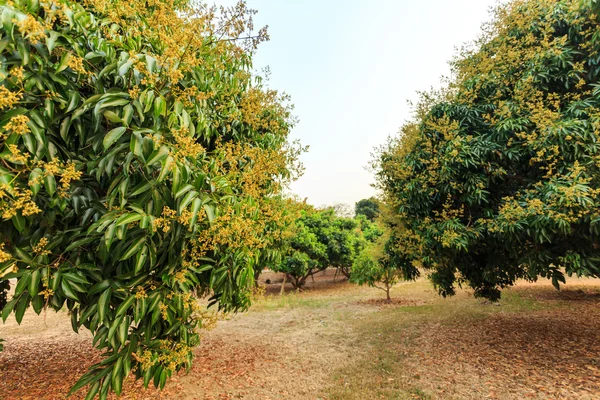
<point x="338" y="341"/>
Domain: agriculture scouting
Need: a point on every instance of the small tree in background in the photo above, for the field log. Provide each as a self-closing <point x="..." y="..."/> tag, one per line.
<point x="375" y="267"/>
<point x="306" y="254"/>
<point x="367" y="207"/>
<point x="387" y="255"/>
<point x="320" y="239"/>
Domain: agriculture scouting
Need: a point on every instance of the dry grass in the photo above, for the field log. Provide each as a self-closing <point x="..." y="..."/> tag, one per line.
<point x="338" y="341"/>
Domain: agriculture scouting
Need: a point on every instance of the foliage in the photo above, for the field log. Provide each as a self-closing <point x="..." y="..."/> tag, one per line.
<point x="320" y="239"/>
<point x="371" y="231"/>
<point x="498" y="177"/>
<point x="367" y="207"/>
<point x="139" y="160"/>
<point x="388" y="249"/>
<point x="278" y="232"/>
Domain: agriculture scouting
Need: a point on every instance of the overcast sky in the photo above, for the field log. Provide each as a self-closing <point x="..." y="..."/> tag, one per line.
<point x="350" y="67"/>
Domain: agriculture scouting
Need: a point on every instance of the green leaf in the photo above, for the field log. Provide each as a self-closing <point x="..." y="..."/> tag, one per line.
<point x="50" y="184"/>
<point x="196" y="204"/>
<point x="123" y="69"/>
<point x="34" y="283"/>
<point x="34" y="180"/>
<point x="76" y="278"/>
<point x="80" y="242"/>
<point x="87" y="378"/>
<point x="141" y="188"/>
<point x="114" y="326"/>
<point x="117" y="375"/>
<point x="103" y="303"/>
<point x="93" y="391"/>
<point x="158" y="155"/>
<point x="141" y="259"/>
<point x="64" y="62"/>
<point x="21" y="308"/>
<point x="135" y="247"/>
<point x="74" y="98"/>
<point x="74" y="321"/>
<point x="128" y="218"/>
<point x="112" y="117"/>
<point x="99" y="287"/>
<point x="187" y="200"/>
<point x="68" y="290"/>
<point x="8" y="308"/>
<point x="19" y="222"/>
<point x="166" y="168"/>
<point x="122" y="309"/>
<point x="51" y="40"/>
<point x="109" y="235"/>
<point x="183" y="190"/>
<point x="160" y="107"/>
<point x="112" y="136"/>
<point x="210" y="212"/>
<point x="23" y="283"/>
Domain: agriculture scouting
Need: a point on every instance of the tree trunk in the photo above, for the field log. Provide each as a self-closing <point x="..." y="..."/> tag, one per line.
<point x="387" y="292"/>
<point x="283" y="284"/>
<point x="346" y="271"/>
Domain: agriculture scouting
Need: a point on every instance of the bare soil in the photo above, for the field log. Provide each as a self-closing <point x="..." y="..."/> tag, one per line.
<point x="335" y="340"/>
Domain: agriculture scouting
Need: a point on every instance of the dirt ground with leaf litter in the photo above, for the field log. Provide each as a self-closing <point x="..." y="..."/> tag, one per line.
<point x="339" y="341"/>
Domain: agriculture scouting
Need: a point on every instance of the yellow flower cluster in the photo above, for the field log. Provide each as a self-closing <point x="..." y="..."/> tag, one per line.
<point x="40" y="247"/>
<point x="76" y="64"/>
<point x="190" y="95"/>
<point x="4" y="256"/>
<point x="46" y="293"/>
<point x="66" y="171"/>
<point x="140" y="293"/>
<point x="256" y="103"/>
<point x="233" y="230"/>
<point x="31" y="28"/>
<point x="134" y="92"/>
<point x="18" y="125"/>
<point x="8" y="99"/>
<point x="17" y="73"/>
<point x="180" y="276"/>
<point x="164" y="222"/>
<point x="172" y="355"/>
<point x="16" y="156"/>
<point x="186" y="145"/>
<point x="13" y="200"/>
<point x="68" y="174"/>
<point x="163" y="311"/>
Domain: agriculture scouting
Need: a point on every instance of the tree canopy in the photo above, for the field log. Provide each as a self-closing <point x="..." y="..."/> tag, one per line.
<point x="141" y="160"/>
<point x="497" y="178"/>
<point x="367" y="207"/>
<point x="320" y="239"/>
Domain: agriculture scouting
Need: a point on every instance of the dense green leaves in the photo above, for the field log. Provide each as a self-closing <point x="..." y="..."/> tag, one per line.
<point x="498" y="178"/>
<point x="126" y="162"/>
<point x="367" y="207"/>
<point x="321" y="240"/>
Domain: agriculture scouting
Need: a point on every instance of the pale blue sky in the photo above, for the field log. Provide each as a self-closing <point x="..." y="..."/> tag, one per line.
<point x="350" y="67"/>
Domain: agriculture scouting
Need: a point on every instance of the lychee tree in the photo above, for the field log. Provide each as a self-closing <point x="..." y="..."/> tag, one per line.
<point x="498" y="177"/>
<point x="137" y="152"/>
